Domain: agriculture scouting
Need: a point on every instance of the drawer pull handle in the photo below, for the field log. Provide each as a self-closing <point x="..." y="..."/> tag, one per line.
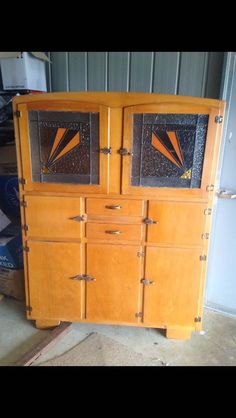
<point x="113" y="232"/>
<point x="116" y="207"/>
<point x="85" y="277"/>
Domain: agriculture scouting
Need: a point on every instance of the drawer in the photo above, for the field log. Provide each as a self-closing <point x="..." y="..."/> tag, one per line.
<point x="52" y="217"/>
<point x="114" y="207"/>
<point x="178" y="223"/>
<point x="115" y="232"/>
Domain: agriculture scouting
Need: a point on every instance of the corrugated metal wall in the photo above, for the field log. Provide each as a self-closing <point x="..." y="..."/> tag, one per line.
<point x="185" y="73"/>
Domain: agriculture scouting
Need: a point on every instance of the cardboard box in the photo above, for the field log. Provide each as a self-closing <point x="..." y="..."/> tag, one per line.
<point x="11" y="251"/>
<point x="9" y="192"/>
<point x="8" y="162"/>
<point x="23" y="70"/>
<point x="12" y="283"/>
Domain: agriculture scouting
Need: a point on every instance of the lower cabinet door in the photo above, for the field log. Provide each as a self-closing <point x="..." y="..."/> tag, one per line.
<point x="53" y="291"/>
<point x="173" y="297"/>
<point x="114" y="295"/>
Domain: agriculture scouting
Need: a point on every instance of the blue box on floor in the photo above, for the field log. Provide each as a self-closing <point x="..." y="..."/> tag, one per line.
<point x="11" y="251"/>
<point x="9" y="192"/>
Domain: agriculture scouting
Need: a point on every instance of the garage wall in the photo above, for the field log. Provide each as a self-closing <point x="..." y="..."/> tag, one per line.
<point x="184" y="73"/>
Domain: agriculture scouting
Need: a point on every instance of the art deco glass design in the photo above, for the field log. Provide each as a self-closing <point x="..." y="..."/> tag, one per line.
<point x="64" y="146"/>
<point x="168" y="150"/>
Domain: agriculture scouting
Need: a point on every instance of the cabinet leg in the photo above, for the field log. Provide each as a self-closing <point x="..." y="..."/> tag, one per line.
<point x="179" y="333"/>
<point x="46" y="324"/>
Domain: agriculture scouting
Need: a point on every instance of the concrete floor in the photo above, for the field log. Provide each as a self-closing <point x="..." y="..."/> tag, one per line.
<point x="217" y="347"/>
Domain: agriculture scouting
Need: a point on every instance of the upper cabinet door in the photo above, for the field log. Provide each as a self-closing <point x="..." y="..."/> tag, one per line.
<point x="170" y="149"/>
<point x="61" y="146"/>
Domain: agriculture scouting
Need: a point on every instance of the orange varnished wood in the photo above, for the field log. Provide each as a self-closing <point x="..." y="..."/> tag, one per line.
<point x="46" y="324"/>
<point x="173" y="298"/>
<point x="179" y="333"/>
<point x="52" y="217"/>
<point x="53" y="292"/>
<point x="115" y="294"/>
<point x="172" y="247"/>
<point x="114" y="232"/>
<point x="178" y="223"/>
<point x="120" y="207"/>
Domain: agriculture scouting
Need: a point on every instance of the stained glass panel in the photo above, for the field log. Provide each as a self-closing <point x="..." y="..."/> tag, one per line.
<point x="168" y="150"/>
<point x="64" y="146"/>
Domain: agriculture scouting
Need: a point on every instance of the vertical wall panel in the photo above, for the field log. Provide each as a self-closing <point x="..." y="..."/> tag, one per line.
<point x="48" y="67"/>
<point x="118" y="73"/>
<point x="59" y="71"/>
<point x="166" y="70"/>
<point x="96" y="71"/>
<point x="141" y="67"/>
<point x="192" y="73"/>
<point x="185" y="73"/>
<point x="77" y="71"/>
<point x="214" y="72"/>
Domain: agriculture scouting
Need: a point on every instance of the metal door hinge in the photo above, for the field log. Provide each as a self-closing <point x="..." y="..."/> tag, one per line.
<point x="205" y="235"/>
<point x="197" y="319"/>
<point x="218" y="119"/>
<point x="23" y="203"/>
<point x="25" y="227"/>
<point x="26" y="249"/>
<point x="210" y="188"/>
<point x="105" y="150"/>
<point x="28" y="308"/>
<point x="18" y="113"/>
<point x="79" y="218"/>
<point x="139" y="315"/>
<point x="149" y="221"/>
<point x="203" y="257"/>
<point x="207" y="211"/>
<point x="22" y="181"/>
<point x="147" y="282"/>
<point x="85" y="277"/>
<point x="140" y="253"/>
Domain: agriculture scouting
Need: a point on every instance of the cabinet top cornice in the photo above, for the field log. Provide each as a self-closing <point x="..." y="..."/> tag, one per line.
<point x="117" y="99"/>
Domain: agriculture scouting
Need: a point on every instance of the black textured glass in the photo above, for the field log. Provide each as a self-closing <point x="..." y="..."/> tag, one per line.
<point x="64" y="146"/>
<point x="168" y="150"/>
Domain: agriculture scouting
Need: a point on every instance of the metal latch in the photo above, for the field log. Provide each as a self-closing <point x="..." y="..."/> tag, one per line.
<point x="79" y="218"/>
<point x="85" y="277"/>
<point x="210" y="188"/>
<point x="124" y="151"/>
<point x="226" y="194"/>
<point x="149" y="221"/>
<point x="28" y="308"/>
<point x="105" y="150"/>
<point x="147" y="282"/>
<point x="26" y="248"/>
<point x="205" y="235"/>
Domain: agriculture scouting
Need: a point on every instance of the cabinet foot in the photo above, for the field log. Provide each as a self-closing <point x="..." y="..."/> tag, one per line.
<point x="46" y="324"/>
<point x="179" y="333"/>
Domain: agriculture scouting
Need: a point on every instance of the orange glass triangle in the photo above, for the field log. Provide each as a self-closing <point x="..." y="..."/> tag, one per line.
<point x="160" y="147"/>
<point x="59" y="135"/>
<point x="73" y="142"/>
<point x="175" y="143"/>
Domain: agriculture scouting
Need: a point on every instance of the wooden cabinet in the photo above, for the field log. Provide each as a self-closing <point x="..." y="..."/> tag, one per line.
<point x="117" y="195"/>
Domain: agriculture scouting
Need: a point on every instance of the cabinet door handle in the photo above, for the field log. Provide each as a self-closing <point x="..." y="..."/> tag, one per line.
<point x="85" y="277"/>
<point x="116" y="207"/>
<point x="79" y="218"/>
<point x="113" y="232"/>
